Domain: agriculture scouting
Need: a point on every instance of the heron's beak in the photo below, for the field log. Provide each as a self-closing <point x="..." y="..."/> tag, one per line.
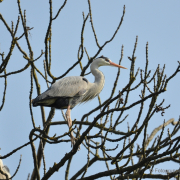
<point x="117" y="65"/>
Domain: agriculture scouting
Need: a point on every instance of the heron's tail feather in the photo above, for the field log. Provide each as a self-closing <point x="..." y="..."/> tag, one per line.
<point x="43" y="102"/>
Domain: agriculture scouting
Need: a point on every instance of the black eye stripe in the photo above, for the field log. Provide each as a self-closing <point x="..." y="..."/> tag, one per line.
<point x="102" y="56"/>
<point x="105" y="58"/>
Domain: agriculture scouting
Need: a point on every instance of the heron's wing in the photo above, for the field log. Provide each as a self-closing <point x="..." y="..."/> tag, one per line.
<point x="66" y="87"/>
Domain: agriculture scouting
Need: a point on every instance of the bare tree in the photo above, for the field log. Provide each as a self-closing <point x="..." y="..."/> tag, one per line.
<point x="101" y="146"/>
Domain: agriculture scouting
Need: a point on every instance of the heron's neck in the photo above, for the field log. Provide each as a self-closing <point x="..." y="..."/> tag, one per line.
<point x="99" y="77"/>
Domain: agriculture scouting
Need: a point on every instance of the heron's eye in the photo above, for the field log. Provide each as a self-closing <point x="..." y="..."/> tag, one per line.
<point x="107" y="60"/>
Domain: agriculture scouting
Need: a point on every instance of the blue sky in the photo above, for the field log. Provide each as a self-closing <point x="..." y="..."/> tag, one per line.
<point x="155" y="22"/>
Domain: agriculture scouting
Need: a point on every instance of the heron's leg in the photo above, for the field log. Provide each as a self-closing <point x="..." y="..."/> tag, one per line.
<point x="69" y="121"/>
<point x="68" y="116"/>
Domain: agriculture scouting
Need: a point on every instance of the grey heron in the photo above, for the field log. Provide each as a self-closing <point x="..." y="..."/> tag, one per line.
<point x="66" y="93"/>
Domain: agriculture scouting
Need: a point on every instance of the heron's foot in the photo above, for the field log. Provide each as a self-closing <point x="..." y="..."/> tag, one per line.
<point x="73" y="141"/>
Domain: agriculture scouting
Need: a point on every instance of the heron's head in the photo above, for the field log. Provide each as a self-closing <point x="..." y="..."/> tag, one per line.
<point x="104" y="61"/>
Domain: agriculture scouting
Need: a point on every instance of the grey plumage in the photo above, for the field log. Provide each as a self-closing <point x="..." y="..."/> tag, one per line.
<point x="60" y="94"/>
<point x="69" y="91"/>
